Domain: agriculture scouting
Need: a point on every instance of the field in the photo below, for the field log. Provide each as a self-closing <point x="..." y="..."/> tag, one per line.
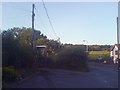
<point x="93" y="55"/>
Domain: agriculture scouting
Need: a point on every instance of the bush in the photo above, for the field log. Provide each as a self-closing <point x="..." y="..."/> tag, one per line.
<point x="50" y="62"/>
<point x="73" y="58"/>
<point x="9" y="74"/>
<point x="106" y="57"/>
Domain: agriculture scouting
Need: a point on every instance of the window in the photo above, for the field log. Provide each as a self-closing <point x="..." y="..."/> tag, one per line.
<point x="116" y="52"/>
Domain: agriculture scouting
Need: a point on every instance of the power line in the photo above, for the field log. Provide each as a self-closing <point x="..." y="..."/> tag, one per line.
<point x="49" y="18"/>
<point x="16" y="16"/>
<point x="42" y="21"/>
<point x="19" y="9"/>
<point x="30" y="11"/>
<point x="40" y="18"/>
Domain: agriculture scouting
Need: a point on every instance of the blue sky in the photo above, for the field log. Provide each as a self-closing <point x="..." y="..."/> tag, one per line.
<point x="73" y="22"/>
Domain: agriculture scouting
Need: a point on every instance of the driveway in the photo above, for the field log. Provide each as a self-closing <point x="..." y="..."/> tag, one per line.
<point x="100" y="76"/>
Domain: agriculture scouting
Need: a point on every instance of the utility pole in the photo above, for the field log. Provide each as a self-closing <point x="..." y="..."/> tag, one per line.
<point x="86" y="45"/>
<point x="58" y="40"/>
<point x="33" y="31"/>
<point x="33" y="36"/>
<point x="118" y="42"/>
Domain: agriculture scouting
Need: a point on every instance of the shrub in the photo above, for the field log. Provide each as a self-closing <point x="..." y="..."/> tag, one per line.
<point x="73" y="58"/>
<point x="9" y="74"/>
<point x="106" y="57"/>
<point x="50" y="62"/>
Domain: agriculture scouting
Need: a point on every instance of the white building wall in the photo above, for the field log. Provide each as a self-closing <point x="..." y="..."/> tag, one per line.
<point x="111" y="53"/>
<point x="114" y="54"/>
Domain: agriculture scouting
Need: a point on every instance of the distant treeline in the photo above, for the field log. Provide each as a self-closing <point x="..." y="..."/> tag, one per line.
<point x="94" y="47"/>
<point x="99" y="47"/>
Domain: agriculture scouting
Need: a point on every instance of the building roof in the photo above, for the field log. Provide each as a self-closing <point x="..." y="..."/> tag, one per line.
<point x="118" y="45"/>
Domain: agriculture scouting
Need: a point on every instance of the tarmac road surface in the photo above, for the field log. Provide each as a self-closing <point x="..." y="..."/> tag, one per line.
<point x="100" y="76"/>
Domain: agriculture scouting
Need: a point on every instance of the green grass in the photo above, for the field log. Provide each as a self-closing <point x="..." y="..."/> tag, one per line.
<point x="93" y="55"/>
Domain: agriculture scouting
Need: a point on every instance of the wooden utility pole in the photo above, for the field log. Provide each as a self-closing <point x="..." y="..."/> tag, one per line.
<point x="33" y="31"/>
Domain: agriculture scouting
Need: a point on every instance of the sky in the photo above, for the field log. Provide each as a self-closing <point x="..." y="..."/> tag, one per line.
<point x="73" y="22"/>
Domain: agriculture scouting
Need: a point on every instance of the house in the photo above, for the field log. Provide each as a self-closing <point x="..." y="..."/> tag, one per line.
<point x="114" y="53"/>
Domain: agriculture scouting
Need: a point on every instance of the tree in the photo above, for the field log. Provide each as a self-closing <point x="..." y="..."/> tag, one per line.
<point x="17" y="47"/>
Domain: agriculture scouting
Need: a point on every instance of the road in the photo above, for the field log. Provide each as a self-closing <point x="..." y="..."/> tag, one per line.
<point x="100" y="76"/>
